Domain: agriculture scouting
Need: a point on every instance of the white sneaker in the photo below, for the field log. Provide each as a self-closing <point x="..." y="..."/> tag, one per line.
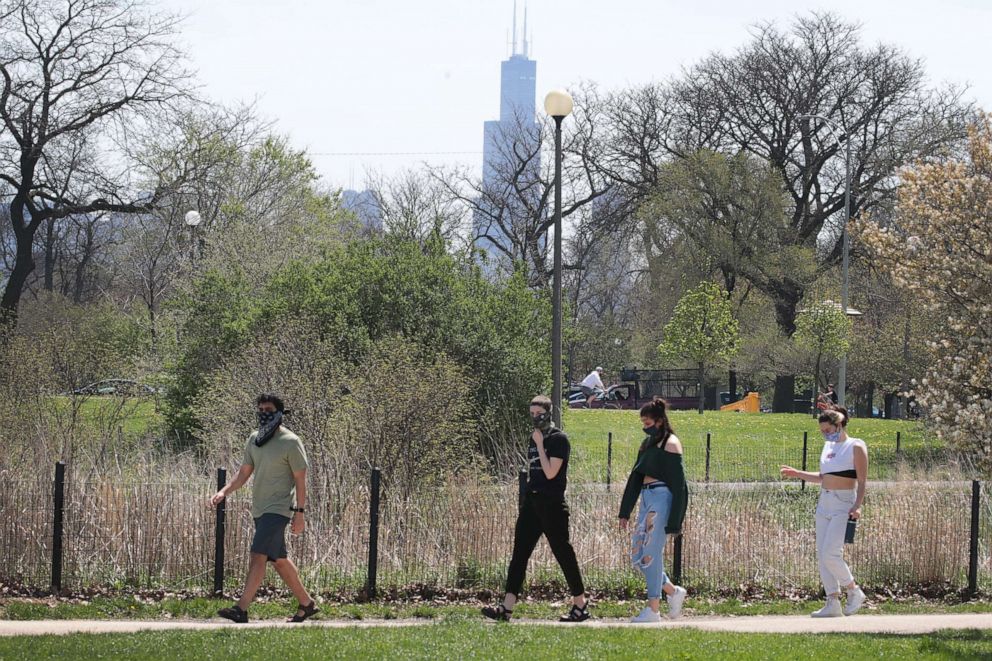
<point x="830" y="609"/>
<point x="646" y="616"/>
<point x="675" y="601"/>
<point x="855" y="598"/>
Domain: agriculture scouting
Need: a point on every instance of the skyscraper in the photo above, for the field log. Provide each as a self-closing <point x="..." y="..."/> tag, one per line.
<point x="517" y="125"/>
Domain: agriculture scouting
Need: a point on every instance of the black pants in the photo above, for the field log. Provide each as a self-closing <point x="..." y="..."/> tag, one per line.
<point x="543" y="514"/>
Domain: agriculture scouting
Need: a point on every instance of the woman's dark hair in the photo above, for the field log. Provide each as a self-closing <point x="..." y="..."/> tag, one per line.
<point x="657" y="410"/>
<point x="836" y="416"/>
<point x="271" y="398"/>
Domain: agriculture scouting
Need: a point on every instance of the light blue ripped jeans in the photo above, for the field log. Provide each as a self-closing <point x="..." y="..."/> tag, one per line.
<point x="647" y="544"/>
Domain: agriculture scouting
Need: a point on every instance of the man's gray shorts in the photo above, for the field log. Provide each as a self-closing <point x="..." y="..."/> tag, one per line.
<point x="270" y="536"/>
<point x="587" y="391"/>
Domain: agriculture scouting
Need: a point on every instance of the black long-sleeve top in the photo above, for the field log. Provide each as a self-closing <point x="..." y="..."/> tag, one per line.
<point x="655" y="462"/>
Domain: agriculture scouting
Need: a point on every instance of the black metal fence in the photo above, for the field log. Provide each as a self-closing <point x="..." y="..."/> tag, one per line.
<point x="69" y="534"/>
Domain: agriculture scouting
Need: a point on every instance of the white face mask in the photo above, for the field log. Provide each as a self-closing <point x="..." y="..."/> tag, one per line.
<point x="832" y="437"/>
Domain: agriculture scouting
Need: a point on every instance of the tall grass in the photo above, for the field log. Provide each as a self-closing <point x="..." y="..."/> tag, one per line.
<point x="159" y="533"/>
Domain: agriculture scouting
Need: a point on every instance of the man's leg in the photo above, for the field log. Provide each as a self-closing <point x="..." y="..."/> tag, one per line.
<point x="525" y="536"/>
<point x="256" y="574"/>
<point x="291" y="576"/>
<point x="554" y="516"/>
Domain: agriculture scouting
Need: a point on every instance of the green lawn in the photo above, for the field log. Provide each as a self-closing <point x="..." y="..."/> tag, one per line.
<point x="743" y="447"/>
<point x="462" y="640"/>
<point x="137" y="415"/>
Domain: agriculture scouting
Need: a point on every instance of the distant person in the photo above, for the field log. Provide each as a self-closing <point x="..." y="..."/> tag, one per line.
<point x="831" y="394"/>
<point x="842" y="478"/>
<point x="592" y="384"/>
<point x="275" y="456"/>
<point x="543" y="512"/>
<point x="658" y="478"/>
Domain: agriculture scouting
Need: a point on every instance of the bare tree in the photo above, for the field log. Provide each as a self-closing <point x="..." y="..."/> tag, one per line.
<point x="75" y="79"/>
<point x="513" y="212"/>
<point x="416" y="206"/>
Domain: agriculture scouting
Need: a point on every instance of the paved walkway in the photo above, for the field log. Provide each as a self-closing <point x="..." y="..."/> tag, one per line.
<point x="900" y="624"/>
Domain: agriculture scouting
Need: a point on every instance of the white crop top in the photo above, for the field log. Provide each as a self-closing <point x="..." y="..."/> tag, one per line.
<point x="839" y="457"/>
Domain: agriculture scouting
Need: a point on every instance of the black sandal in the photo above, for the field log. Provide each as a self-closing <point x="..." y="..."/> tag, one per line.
<point x="576" y="614"/>
<point x="500" y="613"/>
<point x="234" y="614"/>
<point x="303" y="612"/>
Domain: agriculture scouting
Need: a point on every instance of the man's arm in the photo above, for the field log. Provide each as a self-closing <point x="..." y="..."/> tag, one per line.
<point x="299" y="521"/>
<point x="239" y="480"/>
<point x="300" y="478"/>
<point x="550" y="465"/>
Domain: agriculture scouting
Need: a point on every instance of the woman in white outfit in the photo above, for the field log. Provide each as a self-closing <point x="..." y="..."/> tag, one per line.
<point x="842" y="478"/>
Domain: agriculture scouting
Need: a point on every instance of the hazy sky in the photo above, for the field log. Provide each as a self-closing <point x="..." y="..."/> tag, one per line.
<point x="373" y="76"/>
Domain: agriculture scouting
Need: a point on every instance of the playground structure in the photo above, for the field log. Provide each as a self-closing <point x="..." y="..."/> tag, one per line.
<point x="750" y="404"/>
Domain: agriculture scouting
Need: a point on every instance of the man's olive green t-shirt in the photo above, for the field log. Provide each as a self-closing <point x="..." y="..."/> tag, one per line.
<point x="273" y="464"/>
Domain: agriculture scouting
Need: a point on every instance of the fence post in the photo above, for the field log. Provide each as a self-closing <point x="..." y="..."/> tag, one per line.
<point x="707" y="457"/>
<point x="220" y="526"/>
<point x="57" y="526"/>
<point x="677" y="561"/>
<point x="373" y="533"/>
<point x="802" y="486"/>
<point x="521" y="488"/>
<point x="976" y="493"/>
<point x="609" y="460"/>
<point x="898" y="443"/>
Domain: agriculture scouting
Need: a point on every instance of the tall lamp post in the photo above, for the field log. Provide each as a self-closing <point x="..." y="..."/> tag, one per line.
<point x="192" y="219"/>
<point x="558" y="104"/>
<point x="841" y="136"/>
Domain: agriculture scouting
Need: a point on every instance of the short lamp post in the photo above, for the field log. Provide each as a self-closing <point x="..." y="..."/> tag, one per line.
<point x="558" y="104"/>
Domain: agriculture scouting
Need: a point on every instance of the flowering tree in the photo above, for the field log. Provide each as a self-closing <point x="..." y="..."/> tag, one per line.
<point x="940" y="250"/>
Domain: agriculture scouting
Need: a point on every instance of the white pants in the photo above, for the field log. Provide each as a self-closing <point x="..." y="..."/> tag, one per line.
<point x="831" y="523"/>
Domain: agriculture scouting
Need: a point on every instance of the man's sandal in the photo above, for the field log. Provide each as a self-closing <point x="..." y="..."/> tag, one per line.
<point x="576" y="614"/>
<point x="303" y="612"/>
<point x="234" y="614"/>
<point x="500" y="613"/>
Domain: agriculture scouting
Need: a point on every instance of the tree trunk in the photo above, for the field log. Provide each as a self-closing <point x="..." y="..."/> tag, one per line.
<point x="50" y="255"/>
<point x="732" y="385"/>
<point x="23" y="266"/>
<point x="785" y="388"/>
<point x="702" y="389"/>
<point x="786" y="295"/>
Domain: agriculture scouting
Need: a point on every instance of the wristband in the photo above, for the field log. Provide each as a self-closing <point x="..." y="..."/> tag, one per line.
<point x="296" y="509"/>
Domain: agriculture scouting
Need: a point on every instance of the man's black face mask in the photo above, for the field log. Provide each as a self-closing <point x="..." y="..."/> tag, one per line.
<point x="542" y="421"/>
<point x="268" y="423"/>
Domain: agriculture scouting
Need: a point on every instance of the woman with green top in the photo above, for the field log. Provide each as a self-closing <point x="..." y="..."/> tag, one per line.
<point x="659" y="478"/>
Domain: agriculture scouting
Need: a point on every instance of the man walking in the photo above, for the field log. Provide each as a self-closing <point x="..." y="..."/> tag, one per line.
<point x="543" y="512"/>
<point x="275" y="456"/>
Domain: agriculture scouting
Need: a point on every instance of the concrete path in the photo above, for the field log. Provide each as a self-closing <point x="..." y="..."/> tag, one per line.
<point x="899" y="624"/>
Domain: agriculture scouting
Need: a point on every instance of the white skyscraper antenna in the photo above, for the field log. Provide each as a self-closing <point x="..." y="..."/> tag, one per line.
<point x="514" y="28"/>
<point x="526" y="50"/>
